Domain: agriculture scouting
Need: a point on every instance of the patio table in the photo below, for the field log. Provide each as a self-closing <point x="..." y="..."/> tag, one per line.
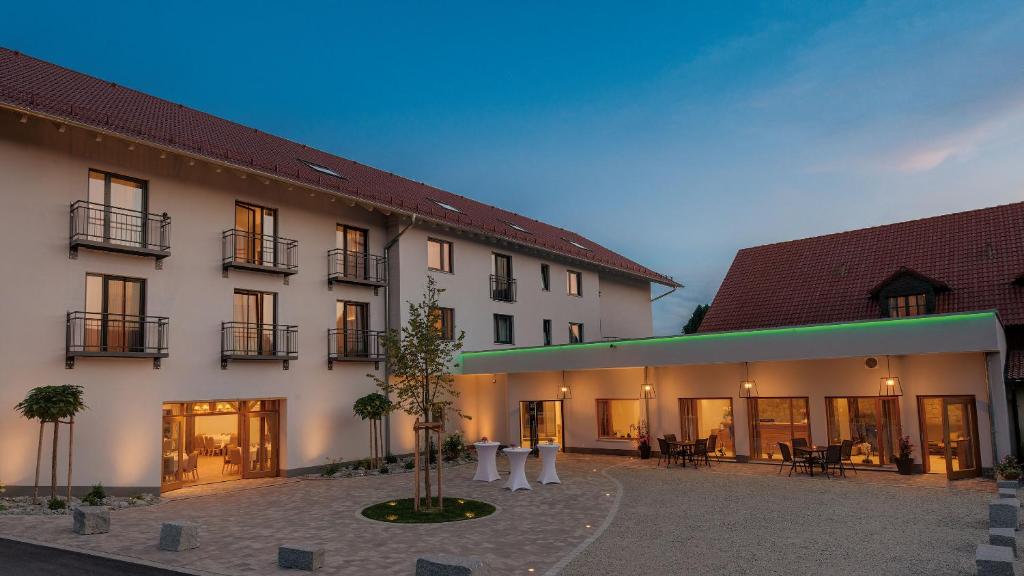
<point x="815" y="456"/>
<point x="686" y="449"/>
<point x="548" y="475"/>
<point x="486" y="462"/>
<point x="517" y="468"/>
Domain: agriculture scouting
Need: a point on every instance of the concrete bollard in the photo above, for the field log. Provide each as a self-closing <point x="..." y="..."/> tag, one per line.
<point x="1007" y="493"/>
<point x="994" y="560"/>
<point x="300" y="557"/>
<point x="179" y="535"/>
<point x="1014" y="484"/>
<point x="444" y="565"/>
<point x="1004" y="513"/>
<point x="91" y="520"/>
<point x="1003" y="537"/>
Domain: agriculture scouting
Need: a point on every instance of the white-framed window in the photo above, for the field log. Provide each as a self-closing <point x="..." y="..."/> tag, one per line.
<point x="439" y="255"/>
<point x="574" y="283"/>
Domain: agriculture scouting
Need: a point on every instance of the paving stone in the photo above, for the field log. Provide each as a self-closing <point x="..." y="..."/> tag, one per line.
<point x="994" y="560"/>
<point x="1007" y="493"/>
<point x="445" y="565"/>
<point x="1004" y="513"/>
<point x="1003" y="537"/>
<point x="300" y="557"/>
<point x="91" y="520"/>
<point x="1014" y="484"/>
<point x="179" y="535"/>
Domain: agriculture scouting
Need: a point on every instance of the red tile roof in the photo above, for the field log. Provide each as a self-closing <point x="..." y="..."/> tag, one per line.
<point x="976" y="254"/>
<point x="32" y="85"/>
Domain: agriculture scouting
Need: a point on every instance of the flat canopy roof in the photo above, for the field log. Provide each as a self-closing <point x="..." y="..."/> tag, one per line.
<point x="936" y="334"/>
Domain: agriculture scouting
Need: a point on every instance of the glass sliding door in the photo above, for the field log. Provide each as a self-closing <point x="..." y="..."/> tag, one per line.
<point x="775" y="420"/>
<point x="702" y="417"/>
<point x="949" y="431"/>
<point x="260" y="439"/>
<point x="540" y="421"/>
<point x="173" y="452"/>
<point x="871" y="423"/>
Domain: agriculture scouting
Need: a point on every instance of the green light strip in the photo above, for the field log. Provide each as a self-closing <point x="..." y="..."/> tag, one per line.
<point x="818" y="328"/>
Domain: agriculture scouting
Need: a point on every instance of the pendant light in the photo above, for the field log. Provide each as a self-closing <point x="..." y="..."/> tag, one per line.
<point x="889" y="386"/>
<point x="748" y="386"/>
<point x="564" y="391"/>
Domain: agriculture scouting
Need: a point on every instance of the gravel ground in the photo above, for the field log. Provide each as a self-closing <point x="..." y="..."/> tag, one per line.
<point x="710" y="522"/>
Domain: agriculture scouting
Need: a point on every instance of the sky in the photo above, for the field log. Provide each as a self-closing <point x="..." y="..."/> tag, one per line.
<point x="674" y="133"/>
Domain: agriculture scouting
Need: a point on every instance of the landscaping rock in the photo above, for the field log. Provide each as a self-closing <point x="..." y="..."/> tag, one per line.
<point x="178" y="536"/>
<point x="91" y="520"/>
<point x="1004" y="513"/>
<point x="300" y="557"/>
<point x="1003" y="537"/>
<point x="994" y="560"/>
<point x="1007" y="493"/>
<point x="1015" y="484"/>
<point x="444" y="565"/>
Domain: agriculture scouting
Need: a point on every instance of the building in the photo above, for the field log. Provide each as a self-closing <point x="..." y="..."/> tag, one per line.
<point x="221" y="291"/>
<point x="910" y="329"/>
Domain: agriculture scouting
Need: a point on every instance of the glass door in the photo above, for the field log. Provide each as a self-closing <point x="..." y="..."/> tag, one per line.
<point x="949" y="431"/>
<point x="173" y="450"/>
<point x="870" y="423"/>
<point x="704" y="417"/>
<point x="352" y="322"/>
<point x="260" y="439"/>
<point x="256" y="314"/>
<point x="540" y="421"/>
<point x="353" y="242"/>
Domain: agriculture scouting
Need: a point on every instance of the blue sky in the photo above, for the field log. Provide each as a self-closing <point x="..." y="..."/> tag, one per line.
<point x="674" y="133"/>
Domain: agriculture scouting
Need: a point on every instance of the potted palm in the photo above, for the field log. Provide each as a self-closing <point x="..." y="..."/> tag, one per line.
<point x="1008" y="468"/>
<point x="905" y="459"/>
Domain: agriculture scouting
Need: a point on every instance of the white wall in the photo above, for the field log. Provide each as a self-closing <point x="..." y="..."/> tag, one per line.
<point x="625" y="308"/>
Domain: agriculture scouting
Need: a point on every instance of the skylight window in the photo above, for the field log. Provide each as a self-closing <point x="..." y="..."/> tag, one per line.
<point x="514" y="226"/>
<point x="321" y="169"/>
<point x="445" y="205"/>
<point x="577" y="244"/>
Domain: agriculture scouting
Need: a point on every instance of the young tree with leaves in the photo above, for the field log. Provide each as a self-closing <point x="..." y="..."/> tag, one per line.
<point x="373" y="407"/>
<point x="53" y="404"/>
<point x="420" y="359"/>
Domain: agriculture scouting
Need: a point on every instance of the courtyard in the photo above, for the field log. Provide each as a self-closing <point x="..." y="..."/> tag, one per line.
<point x="610" y="515"/>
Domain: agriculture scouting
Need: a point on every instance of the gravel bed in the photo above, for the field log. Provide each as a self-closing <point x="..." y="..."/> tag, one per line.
<point x="23" y="506"/>
<point x="686" y="521"/>
<point x="399" y="467"/>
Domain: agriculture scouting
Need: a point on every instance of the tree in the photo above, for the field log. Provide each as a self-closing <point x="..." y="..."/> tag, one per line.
<point x="53" y="404"/>
<point x="419" y="360"/>
<point x="696" y="318"/>
<point x="373" y="407"/>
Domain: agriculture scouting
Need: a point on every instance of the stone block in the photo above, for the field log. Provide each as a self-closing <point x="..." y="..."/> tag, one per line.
<point x="1004" y="513"/>
<point x="994" y="560"/>
<point x="1003" y="537"/>
<point x="91" y="520"/>
<point x="179" y="535"/>
<point x="1007" y="493"/>
<point x="444" y="565"/>
<point x="1015" y="484"/>
<point x="300" y="557"/>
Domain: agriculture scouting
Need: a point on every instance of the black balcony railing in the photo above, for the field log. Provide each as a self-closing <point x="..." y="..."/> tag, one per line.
<point x="115" y="335"/>
<point x="356" y="267"/>
<point x="114" y="229"/>
<point x="503" y="289"/>
<point x="263" y="252"/>
<point x="345" y="345"/>
<point x="248" y="341"/>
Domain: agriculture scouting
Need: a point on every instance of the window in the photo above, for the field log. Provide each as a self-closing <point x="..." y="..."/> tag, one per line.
<point x="574" y="283"/>
<point x="114" y="310"/>
<point x="444" y="322"/>
<point x="545" y="277"/>
<point x="439" y="255"/>
<point x="912" y="305"/>
<point x="775" y="420"/>
<point x="321" y="169"/>
<point x="577" y="244"/>
<point x="255" y="317"/>
<point x="504" y="331"/>
<point x="514" y="226"/>
<point x="617" y="419"/>
<point x="702" y="417"/>
<point x="575" y="333"/>
<point x="117" y="206"/>
<point x="503" y="286"/>
<point x="871" y="423"/>
<point x="445" y="205"/>
<point x="353" y="320"/>
<point x="255" y="241"/>
<point x="355" y="245"/>
<point x="547" y="332"/>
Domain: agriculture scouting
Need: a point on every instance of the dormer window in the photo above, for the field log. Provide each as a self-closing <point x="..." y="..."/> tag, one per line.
<point x="911" y="305"/>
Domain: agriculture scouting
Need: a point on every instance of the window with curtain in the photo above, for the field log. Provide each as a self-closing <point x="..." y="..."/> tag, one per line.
<point x="504" y="331"/>
<point x="704" y="417"/>
<point x="775" y="420"/>
<point x="912" y="305"/>
<point x="439" y="255"/>
<point x="871" y="423"/>
<point x="617" y="419"/>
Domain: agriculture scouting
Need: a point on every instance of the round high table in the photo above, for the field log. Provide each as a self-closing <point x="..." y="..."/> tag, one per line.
<point x="517" y="465"/>
<point x="486" y="462"/>
<point x="547" y="458"/>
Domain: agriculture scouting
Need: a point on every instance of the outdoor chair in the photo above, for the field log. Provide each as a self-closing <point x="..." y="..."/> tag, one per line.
<point x="799" y="444"/>
<point x="700" y="451"/>
<point x="847" y="452"/>
<point x="834" y="460"/>
<point x="712" y="446"/>
<point x="787" y="458"/>
<point x="665" y="452"/>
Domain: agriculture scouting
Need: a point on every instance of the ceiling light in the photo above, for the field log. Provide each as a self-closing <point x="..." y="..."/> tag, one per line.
<point x="23" y="119"/>
<point x="99" y="137"/>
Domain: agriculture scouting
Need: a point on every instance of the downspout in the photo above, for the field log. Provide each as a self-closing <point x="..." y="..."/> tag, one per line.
<point x="387" y="324"/>
<point x="656" y="298"/>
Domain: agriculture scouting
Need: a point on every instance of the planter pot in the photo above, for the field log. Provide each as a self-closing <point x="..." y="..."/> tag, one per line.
<point x="645" y="452"/>
<point x="905" y="466"/>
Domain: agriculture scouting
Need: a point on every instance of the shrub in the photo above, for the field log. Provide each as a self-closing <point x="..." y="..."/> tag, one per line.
<point x="95" y="496"/>
<point x="453" y="447"/>
<point x="332" y="467"/>
<point x="391" y="459"/>
<point x="56" y="504"/>
<point x="409" y="465"/>
<point x="384" y="469"/>
<point x="365" y="464"/>
<point x="1008" y="468"/>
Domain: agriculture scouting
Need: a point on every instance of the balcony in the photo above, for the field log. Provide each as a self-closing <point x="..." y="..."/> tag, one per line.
<point x="245" y="250"/>
<point x="503" y="289"/>
<point x="247" y="341"/>
<point x="114" y="229"/>
<point x="350" y="267"/>
<point x="354" y="346"/>
<point x="115" y="336"/>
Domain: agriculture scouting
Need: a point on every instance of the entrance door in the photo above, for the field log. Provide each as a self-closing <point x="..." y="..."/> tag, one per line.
<point x="260" y="437"/>
<point x="949" y="430"/>
<point x="173" y="451"/>
<point x="540" y="421"/>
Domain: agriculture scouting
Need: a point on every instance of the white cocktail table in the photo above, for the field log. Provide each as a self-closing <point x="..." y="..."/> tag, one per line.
<point x="547" y="457"/>
<point x="486" y="462"/>
<point x="517" y="468"/>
